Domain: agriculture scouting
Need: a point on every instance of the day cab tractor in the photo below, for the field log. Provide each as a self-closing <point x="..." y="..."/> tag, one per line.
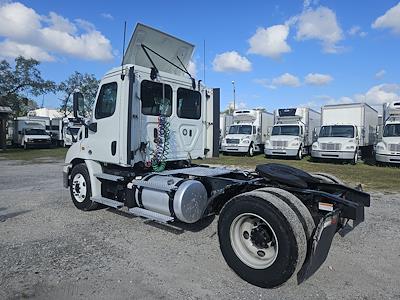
<point x="150" y="119"/>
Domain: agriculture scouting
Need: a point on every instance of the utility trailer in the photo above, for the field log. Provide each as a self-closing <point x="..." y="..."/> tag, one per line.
<point x="274" y="223"/>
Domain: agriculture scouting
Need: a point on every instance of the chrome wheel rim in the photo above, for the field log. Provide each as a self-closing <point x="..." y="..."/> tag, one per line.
<point x="254" y="241"/>
<point x="79" y="187"/>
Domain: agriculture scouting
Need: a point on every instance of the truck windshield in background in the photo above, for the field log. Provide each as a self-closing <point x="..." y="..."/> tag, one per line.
<point x="346" y="131"/>
<point x="391" y="130"/>
<point x="286" y="130"/>
<point x="240" y="129"/>
<point x="35" y="132"/>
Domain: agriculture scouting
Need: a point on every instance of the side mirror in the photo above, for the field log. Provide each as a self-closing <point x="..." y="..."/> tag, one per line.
<point x="78" y="105"/>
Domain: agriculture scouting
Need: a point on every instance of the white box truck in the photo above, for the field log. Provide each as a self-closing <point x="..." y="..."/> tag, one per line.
<point x="225" y="121"/>
<point x="29" y="133"/>
<point x="150" y="117"/>
<point x="293" y="133"/>
<point x="388" y="149"/>
<point x="248" y="132"/>
<point x="70" y="130"/>
<point x="346" y="129"/>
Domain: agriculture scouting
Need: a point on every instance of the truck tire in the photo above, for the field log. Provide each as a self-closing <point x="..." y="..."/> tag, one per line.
<point x="80" y="188"/>
<point x="261" y="239"/>
<point x="251" y="151"/>
<point x="297" y="206"/>
<point x="328" y="178"/>
<point x="25" y="146"/>
<point x="355" y="158"/>
<point x="299" y="155"/>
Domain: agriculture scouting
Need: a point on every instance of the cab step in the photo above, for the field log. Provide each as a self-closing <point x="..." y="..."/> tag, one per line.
<point x="151" y="215"/>
<point x="109" y="177"/>
<point x="108" y="202"/>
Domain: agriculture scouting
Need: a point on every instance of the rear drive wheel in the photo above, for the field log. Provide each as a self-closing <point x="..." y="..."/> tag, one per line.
<point x="80" y="188"/>
<point x="261" y="239"/>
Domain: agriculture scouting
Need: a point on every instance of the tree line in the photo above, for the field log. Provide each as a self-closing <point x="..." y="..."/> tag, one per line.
<point x="22" y="80"/>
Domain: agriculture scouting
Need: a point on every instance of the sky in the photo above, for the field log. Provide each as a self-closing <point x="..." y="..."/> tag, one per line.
<point x="279" y="53"/>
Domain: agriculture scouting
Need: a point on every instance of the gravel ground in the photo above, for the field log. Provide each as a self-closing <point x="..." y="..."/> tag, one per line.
<point x="49" y="249"/>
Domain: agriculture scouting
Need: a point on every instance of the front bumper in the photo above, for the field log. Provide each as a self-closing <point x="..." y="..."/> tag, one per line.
<point x="38" y="144"/>
<point x="333" y="154"/>
<point x="281" y="152"/>
<point x="235" y="148"/>
<point x="66" y="172"/>
<point x="388" y="158"/>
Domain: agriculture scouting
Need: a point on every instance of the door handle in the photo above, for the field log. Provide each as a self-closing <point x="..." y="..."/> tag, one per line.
<point x="113" y="148"/>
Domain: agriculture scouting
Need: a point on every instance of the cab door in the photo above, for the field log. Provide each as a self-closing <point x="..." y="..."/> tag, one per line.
<point x="103" y="142"/>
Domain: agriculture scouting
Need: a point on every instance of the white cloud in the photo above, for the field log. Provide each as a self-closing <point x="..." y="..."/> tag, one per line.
<point x="390" y="20"/>
<point x="356" y="31"/>
<point x="10" y="49"/>
<point x="320" y="24"/>
<point x="379" y="94"/>
<point x="380" y="74"/>
<point x="231" y="62"/>
<point x="318" y="79"/>
<point x="286" y="79"/>
<point x="107" y="16"/>
<point x="192" y="68"/>
<point x="270" y="41"/>
<point x="42" y="37"/>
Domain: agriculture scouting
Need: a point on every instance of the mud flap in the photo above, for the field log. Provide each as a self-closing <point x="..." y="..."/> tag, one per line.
<point x="321" y="244"/>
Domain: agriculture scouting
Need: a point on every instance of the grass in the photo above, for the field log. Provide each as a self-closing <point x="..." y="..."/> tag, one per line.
<point x="33" y="154"/>
<point x="371" y="177"/>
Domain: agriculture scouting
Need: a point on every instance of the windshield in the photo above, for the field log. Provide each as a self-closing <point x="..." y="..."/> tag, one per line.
<point x="72" y="131"/>
<point x="286" y="130"/>
<point x="391" y="130"/>
<point x="240" y="129"/>
<point x="35" y="132"/>
<point x="346" y="131"/>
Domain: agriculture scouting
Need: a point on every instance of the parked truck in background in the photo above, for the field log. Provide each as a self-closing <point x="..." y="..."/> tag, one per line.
<point x="248" y="132"/>
<point x="225" y="121"/>
<point x="70" y="129"/>
<point x="149" y="120"/>
<point x="293" y="133"/>
<point x="346" y="129"/>
<point x="29" y="133"/>
<point x="388" y="149"/>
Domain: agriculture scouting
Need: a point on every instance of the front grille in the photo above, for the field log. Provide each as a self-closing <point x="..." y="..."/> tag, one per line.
<point x="40" y="141"/>
<point x="280" y="144"/>
<point x="394" y="147"/>
<point x="232" y="141"/>
<point x="331" y="146"/>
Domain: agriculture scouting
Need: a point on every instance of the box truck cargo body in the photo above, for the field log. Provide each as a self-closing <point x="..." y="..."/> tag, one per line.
<point x="388" y="149"/>
<point x="346" y="129"/>
<point x="225" y="121"/>
<point x="248" y="133"/>
<point x="293" y="132"/>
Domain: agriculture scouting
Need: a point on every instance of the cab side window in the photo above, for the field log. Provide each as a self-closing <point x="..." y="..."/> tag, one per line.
<point x="106" y="102"/>
<point x="189" y="104"/>
<point x="155" y="101"/>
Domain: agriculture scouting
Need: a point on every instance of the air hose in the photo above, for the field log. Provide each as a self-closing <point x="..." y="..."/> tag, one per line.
<point x="161" y="151"/>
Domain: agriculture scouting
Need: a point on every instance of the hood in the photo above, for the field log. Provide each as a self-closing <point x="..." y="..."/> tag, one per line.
<point x="164" y="44"/>
<point x="335" y="139"/>
<point x="391" y="139"/>
<point x="237" y="136"/>
<point x="283" y="137"/>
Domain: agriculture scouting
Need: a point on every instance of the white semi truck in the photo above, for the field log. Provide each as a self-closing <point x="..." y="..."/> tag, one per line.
<point x="134" y="154"/>
<point x="29" y="133"/>
<point x="225" y="121"/>
<point x="70" y="130"/>
<point x="388" y="149"/>
<point x="248" y="132"/>
<point x="346" y="129"/>
<point x="293" y="133"/>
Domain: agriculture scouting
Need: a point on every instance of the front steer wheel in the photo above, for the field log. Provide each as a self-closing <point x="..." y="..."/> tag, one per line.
<point x="80" y="188"/>
<point x="261" y="239"/>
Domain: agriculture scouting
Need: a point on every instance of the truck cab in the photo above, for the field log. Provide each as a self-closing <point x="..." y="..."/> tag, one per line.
<point x="248" y="132"/>
<point x="34" y="136"/>
<point x="388" y="149"/>
<point x="286" y="140"/>
<point x="337" y="141"/>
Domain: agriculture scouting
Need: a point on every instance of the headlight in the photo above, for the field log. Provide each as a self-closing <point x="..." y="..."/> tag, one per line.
<point x="350" y="147"/>
<point x="29" y="140"/>
<point x="315" y="146"/>
<point x="381" y="146"/>
<point x="294" y="143"/>
<point x="267" y="143"/>
<point x="246" y="141"/>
